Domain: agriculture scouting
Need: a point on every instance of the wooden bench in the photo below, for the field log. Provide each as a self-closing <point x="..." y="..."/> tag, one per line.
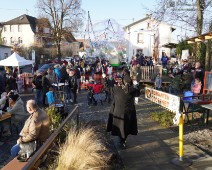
<point x="14" y="165"/>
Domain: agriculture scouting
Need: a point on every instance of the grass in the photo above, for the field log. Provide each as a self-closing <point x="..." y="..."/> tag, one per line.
<point x="82" y="150"/>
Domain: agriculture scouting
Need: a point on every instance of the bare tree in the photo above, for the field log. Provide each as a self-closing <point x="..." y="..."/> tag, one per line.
<point x="64" y="16"/>
<point x="192" y="16"/>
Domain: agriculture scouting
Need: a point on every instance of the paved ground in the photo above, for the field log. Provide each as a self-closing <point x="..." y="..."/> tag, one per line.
<point x="153" y="148"/>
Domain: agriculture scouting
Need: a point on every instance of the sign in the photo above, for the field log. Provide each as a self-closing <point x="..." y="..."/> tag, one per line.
<point x="185" y="55"/>
<point x="207" y="82"/>
<point x="33" y="55"/>
<point x="169" y="101"/>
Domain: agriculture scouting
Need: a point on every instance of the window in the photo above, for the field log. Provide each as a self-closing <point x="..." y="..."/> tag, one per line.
<point x="11" y="40"/>
<point x="20" y="41"/>
<point x="4" y="40"/>
<point x="5" y="29"/>
<point x="140" y="38"/>
<point x="11" y="28"/>
<point x="19" y="28"/>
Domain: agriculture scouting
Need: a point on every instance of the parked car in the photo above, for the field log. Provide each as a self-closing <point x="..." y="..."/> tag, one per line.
<point x="45" y="67"/>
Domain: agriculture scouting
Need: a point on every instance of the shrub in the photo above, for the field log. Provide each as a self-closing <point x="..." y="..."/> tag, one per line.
<point x="54" y="117"/>
<point x="82" y="150"/>
<point x="165" y="118"/>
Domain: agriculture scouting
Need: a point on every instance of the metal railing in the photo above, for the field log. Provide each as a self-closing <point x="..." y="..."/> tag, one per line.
<point x="33" y="162"/>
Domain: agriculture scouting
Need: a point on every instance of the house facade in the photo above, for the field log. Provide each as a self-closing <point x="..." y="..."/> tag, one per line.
<point x="23" y="31"/>
<point x="148" y="36"/>
<point x="5" y="51"/>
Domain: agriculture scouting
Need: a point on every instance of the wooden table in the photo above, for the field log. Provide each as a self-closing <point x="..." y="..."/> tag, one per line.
<point x="5" y="116"/>
<point x="194" y="105"/>
<point x="208" y="107"/>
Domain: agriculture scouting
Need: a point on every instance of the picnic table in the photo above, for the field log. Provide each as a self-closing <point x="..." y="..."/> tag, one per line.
<point x="209" y="108"/>
<point x="5" y="116"/>
<point x="196" y="104"/>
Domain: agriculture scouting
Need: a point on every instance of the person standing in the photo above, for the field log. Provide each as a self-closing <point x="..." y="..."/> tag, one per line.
<point x="135" y="73"/>
<point x="122" y="119"/>
<point x="164" y="60"/>
<point x="45" y="88"/>
<point x="72" y="85"/>
<point x="37" y="85"/>
<point x="36" y="128"/>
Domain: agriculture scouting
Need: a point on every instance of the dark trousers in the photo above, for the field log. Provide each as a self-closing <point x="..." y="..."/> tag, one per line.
<point x="74" y="92"/>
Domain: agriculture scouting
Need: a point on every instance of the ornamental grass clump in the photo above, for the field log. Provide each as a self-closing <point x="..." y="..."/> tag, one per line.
<point x="82" y="150"/>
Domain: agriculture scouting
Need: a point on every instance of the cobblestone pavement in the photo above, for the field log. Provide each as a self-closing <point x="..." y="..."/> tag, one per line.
<point x="87" y="114"/>
<point x="99" y="114"/>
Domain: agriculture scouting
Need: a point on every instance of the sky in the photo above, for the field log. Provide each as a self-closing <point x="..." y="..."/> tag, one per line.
<point x="123" y="11"/>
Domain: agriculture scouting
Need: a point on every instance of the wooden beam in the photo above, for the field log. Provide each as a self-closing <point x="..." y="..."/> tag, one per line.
<point x="208" y="37"/>
<point x="199" y="39"/>
<point x="191" y="42"/>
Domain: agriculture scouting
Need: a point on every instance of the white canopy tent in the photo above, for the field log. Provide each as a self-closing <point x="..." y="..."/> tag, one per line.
<point x="15" y="60"/>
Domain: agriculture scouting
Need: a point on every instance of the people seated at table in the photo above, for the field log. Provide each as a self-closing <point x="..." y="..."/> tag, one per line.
<point x="4" y="102"/>
<point x="16" y="109"/>
<point x="36" y="128"/>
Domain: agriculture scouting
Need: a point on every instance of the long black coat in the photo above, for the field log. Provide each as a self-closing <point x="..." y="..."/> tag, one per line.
<point x="122" y="119"/>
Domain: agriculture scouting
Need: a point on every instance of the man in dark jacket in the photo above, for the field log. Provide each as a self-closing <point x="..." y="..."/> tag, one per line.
<point x="122" y="119"/>
<point x="72" y="85"/>
<point x="37" y="85"/>
<point x="63" y="73"/>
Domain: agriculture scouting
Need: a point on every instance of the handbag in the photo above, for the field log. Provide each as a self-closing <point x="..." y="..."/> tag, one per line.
<point x="28" y="148"/>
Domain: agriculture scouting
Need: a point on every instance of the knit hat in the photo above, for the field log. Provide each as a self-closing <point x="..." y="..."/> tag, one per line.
<point x="13" y="95"/>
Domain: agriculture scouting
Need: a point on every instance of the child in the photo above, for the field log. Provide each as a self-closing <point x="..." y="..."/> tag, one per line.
<point x="196" y="86"/>
<point x="158" y="82"/>
<point x="20" y="83"/>
<point x="97" y="89"/>
<point x="50" y="96"/>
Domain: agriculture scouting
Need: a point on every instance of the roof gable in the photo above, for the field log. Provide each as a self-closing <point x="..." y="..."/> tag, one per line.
<point x="23" y="19"/>
<point x="144" y="19"/>
<point x="136" y="22"/>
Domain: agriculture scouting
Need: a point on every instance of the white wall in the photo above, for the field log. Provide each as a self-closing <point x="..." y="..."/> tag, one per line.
<point x="165" y="34"/>
<point x="4" y="51"/>
<point x="26" y="34"/>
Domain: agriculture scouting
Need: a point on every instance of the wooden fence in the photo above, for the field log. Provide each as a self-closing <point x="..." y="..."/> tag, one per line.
<point x="149" y="72"/>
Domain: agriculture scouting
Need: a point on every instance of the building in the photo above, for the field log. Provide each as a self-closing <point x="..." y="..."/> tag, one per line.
<point x="5" y="51"/>
<point x="148" y="36"/>
<point x="24" y="31"/>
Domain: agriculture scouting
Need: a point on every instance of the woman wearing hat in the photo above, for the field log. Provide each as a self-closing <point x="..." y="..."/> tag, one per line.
<point x="16" y="109"/>
<point x="122" y="119"/>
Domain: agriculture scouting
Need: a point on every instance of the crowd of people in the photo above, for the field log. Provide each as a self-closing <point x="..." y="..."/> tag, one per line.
<point x="120" y="88"/>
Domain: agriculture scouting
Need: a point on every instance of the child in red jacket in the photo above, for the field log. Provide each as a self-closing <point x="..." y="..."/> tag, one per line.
<point x="197" y="86"/>
<point x="97" y="90"/>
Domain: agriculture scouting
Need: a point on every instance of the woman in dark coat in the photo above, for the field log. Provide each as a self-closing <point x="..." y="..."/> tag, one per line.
<point x="122" y="119"/>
